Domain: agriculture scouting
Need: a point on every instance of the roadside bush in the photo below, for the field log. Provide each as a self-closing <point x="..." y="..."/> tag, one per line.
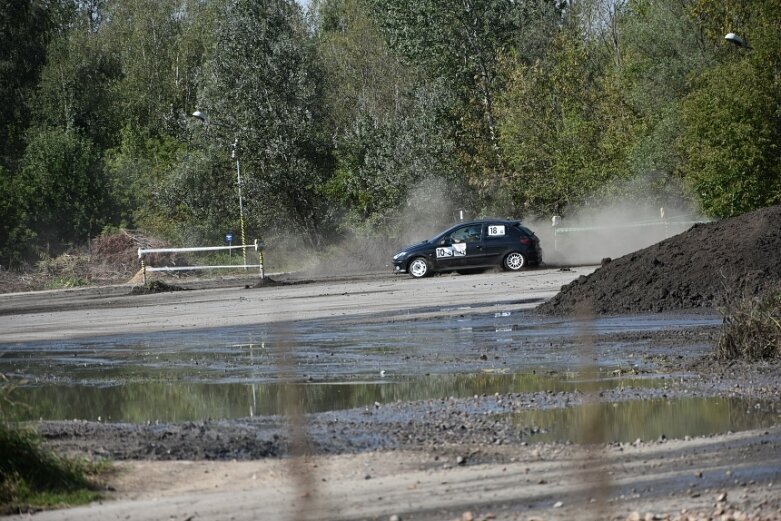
<point x="752" y="328"/>
<point x="32" y="477"/>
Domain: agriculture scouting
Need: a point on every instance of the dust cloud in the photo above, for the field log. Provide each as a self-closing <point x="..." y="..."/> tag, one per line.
<point x="428" y="209"/>
<point x="587" y="236"/>
<point x="582" y="236"/>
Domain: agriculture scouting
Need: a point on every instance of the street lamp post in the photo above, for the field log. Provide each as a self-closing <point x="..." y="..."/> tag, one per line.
<point x="234" y="155"/>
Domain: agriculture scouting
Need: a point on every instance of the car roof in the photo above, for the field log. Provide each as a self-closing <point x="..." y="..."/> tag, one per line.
<point x="488" y="221"/>
<point x="508" y="222"/>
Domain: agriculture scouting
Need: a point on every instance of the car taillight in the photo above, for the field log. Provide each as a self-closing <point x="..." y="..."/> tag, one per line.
<point x="525" y="240"/>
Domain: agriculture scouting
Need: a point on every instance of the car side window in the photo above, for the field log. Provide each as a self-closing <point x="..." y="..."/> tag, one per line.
<point x="467" y="234"/>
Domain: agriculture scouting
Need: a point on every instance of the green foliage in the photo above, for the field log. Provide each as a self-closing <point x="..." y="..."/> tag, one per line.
<point x="660" y="51"/>
<point x="462" y="44"/>
<point x="14" y="233"/>
<point x="552" y="129"/>
<point x="380" y="161"/>
<point x="75" y="90"/>
<point x="136" y="170"/>
<point x="266" y="93"/>
<point x="362" y="76"/>
<point x="338" y="117"/>
<point x="383" y="118"/>
<point x="66" y="282"/>
<point x="732" y="128"/>
<point x="752" y="328"/>
<point x="61" y="187"/>
<point x="734" y="161"/>
<point x="25" y="29"/>
<point x="31" y="476"/>
<point x="198" y="199"/>
<point x="161" y="45"/>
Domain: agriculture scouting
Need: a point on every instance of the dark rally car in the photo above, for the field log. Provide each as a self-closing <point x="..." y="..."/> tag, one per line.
<point x="470" y="246"/>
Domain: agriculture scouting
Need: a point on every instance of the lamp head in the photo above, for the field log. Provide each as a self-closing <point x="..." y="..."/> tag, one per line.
<point x="734" y="39"/>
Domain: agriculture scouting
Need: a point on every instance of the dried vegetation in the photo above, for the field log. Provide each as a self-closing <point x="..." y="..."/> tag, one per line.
<point x="110" y="258"/>
<point x="752" y="328"/>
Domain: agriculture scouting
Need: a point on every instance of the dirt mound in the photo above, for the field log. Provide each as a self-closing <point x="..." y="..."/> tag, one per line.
<point x="156" y="286"/>
<point x="701" y="267"/>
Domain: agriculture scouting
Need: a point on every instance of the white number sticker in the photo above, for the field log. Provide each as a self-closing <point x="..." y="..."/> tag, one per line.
<point x="457" y="250"/>
<point x="496" y="231"/>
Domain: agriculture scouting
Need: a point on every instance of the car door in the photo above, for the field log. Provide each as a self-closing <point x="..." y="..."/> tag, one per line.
<point x="497" y="242"/>
<point x="462" y="247"/>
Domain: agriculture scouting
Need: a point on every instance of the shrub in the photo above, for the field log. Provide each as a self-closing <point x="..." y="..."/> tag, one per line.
<point x="752" y="328"/>
<point x="32" y="477"/>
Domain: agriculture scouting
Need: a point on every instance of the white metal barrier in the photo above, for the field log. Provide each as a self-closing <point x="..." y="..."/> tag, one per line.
<point x="257" y="246"/>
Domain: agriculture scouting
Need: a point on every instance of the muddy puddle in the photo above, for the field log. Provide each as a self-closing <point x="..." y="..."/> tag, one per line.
<point x="345" y="349"/>
<point x="646" y="420"/>
<point x="171" y="402"/>
<point x="337" y="364"/>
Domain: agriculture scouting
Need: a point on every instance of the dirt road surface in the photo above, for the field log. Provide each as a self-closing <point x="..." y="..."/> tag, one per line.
<point x="729" y="476"/>
<point x="80" y="313"/>
<point x="705" y="477"/>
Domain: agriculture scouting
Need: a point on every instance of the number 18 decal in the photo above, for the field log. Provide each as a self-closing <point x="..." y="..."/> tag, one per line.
<point x="496" y="230"/>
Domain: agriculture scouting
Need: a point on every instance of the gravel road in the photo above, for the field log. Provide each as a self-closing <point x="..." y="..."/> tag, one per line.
<point x="81" y="313"/>
<point x="430" y="460"/>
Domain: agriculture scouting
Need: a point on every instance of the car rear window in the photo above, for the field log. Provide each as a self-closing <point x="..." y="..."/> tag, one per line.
<point x="525" y="230"/>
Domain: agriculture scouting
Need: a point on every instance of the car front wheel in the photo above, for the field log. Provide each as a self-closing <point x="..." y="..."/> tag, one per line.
<point x="419" y="268"/>
<point x="514" y="261"/>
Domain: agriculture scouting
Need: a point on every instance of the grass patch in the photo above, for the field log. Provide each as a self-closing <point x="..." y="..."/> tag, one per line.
<point x="34" y="478"/>
<point x="66" y="282"/>
<point x="752" y="329"/>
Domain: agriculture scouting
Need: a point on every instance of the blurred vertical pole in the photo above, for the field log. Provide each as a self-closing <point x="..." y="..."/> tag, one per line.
<point x="301" y="472"/>
<point x="596" y="467"/>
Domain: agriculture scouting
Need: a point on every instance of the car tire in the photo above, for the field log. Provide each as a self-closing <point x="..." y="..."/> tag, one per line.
<point x="419" y="268"/>
<point x="514" y="261"/>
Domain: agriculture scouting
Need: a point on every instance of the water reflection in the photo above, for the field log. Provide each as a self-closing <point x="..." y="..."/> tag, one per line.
<point x="151" y="401"/>
<point x="647" y="420"/>
<point x="333" y="350"/>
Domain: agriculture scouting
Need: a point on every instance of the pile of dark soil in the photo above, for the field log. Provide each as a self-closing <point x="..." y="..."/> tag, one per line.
<point x="268" y="282"/>
<point x="706" y="266"/>
<point x="156" y="286"/>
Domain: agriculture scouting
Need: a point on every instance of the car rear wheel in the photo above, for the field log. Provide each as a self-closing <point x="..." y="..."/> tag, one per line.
<point x="514" y="261"/>
<point x="419" y="268"/>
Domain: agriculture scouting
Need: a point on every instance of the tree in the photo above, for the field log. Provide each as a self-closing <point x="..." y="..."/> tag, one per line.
<point x="731" y="138"/>
<point x="61" y="188"/>
<point x="661" y="49"/>
<point x="380" y="160"/>
<point x="25" y="29"/>
<point x="76" y="86"/>
<point x="266" y="92"/>
<point x="135" y="172"/>
<point x="731" y="118"/>
<point x="381" y="115"/>
<point x="197" y="201"/>
<point x="15" y="236"/>
<point x="161" y="45"/>
<point x="362" y="76"/>
<point x="552" y="126"/>
<point x="463" y="43"/>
